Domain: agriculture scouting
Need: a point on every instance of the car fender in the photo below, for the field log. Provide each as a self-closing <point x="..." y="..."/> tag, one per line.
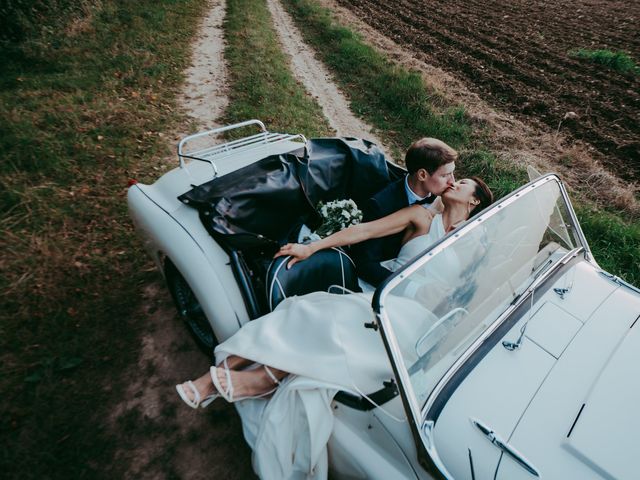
<point x="180" y="237"/>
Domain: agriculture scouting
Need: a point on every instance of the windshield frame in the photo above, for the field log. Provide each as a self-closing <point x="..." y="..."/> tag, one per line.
<point x="417" y="414"/>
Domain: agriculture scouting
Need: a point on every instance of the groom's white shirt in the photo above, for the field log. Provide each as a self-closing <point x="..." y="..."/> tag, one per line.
<point x="411" y="195"/>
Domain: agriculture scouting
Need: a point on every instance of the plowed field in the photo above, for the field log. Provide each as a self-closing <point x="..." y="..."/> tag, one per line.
<point x="514" y="53"/>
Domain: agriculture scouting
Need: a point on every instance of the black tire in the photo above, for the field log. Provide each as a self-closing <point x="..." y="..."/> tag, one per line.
<point x="190" y="310"/>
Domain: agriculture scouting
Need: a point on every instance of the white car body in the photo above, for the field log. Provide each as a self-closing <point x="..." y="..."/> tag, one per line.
<point x="531" y="376"/>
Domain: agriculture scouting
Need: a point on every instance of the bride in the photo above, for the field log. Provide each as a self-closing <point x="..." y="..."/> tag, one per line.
<point x="310" y="347"/>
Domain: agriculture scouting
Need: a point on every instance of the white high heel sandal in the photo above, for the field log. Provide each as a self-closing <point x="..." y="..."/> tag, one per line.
<point x="196" y="401"/>
<point x="227" y="393"/>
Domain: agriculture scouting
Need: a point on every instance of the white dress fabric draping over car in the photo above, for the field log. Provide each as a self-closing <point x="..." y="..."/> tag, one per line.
<point x="321" y="340"/>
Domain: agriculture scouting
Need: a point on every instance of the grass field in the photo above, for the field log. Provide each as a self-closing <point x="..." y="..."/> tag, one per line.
<point x="617" y="61"/>
<point x="261" y="84"/>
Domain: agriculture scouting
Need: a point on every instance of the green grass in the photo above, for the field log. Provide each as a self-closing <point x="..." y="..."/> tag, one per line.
<point x="261" y="83"/>
<point x="394" y="100"/>
<point x="614" y="242"/>
<point x="618" y="61"/>
<point x="82" y="107"/>
<point x="397" y="102"/>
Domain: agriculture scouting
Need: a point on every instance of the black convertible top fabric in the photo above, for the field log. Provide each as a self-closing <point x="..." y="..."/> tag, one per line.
<point x="267" y="201"/>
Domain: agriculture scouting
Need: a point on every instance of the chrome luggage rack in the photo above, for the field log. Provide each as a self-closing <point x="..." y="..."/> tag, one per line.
<point x="223" y="150"/>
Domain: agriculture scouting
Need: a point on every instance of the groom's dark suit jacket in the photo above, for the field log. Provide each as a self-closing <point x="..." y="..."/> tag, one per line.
<point x="368" y="255"/>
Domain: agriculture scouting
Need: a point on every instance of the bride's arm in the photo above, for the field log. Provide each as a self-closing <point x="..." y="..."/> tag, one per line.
<point x="394" y="223"/>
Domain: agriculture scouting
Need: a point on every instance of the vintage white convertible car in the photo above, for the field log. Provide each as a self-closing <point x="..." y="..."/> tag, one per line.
<point x="526" y="368"/>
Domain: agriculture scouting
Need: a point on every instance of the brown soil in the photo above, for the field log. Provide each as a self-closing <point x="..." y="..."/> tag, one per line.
<point x="159" y="436"/>
<point x="515" y="55"/>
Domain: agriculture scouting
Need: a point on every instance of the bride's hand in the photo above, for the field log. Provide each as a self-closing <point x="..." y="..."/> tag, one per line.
<point x="297" y="251"/>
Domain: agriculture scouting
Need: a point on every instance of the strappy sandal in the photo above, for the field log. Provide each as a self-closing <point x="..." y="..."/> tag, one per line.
<point x="227" y="393"/>
<point x="272" y="377"/>
<point x="196" y="401"/>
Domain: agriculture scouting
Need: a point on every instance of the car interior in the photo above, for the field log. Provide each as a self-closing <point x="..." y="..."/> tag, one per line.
<point x="243" y="211"/>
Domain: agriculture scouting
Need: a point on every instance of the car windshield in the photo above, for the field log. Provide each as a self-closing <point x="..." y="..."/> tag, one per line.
<point x="463" y="284"/>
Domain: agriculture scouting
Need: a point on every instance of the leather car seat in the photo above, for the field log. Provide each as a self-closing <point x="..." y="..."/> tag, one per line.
<point x="321" y="271"/>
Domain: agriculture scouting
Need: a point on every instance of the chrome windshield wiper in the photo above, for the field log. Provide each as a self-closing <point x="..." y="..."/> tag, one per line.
<point x="511" y="346"/>
<point x="505" y="447"/>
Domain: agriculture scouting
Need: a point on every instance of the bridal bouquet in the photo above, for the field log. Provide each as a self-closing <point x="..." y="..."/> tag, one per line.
<point x="337" y="215"/>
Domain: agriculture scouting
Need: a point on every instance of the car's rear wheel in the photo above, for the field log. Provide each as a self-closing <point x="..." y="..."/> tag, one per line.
<point x="189" y="309"/>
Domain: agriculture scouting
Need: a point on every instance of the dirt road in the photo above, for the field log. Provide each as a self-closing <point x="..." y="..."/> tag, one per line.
<point x="165" y="438"/>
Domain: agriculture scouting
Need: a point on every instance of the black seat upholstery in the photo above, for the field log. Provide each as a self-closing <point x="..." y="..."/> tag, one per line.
<point x="319" y="272"/>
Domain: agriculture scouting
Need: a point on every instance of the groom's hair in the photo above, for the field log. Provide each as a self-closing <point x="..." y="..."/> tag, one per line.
<point x="430" y="154"/>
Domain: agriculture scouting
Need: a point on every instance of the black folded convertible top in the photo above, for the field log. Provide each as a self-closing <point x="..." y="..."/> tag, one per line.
<point x="267" y="201"/>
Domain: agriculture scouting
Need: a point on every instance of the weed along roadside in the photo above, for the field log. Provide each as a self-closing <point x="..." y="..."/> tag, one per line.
<point x="88" y="94"/>
<point x="396" y="100"/>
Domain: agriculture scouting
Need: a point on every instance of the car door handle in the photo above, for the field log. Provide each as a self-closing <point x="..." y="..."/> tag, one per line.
<point x="505" y="447"/>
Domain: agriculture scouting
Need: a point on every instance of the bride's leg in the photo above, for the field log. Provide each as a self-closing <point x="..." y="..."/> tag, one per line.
<point x="238" y="363"/>
<point x="251" y="383"/>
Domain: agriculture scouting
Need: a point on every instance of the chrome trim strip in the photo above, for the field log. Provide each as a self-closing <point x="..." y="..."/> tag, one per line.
<point x="576" y="224"/>
<point x="618" y="281"/>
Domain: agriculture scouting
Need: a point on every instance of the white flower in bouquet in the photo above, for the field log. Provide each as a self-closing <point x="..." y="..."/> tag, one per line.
<point x="338" y="215"/>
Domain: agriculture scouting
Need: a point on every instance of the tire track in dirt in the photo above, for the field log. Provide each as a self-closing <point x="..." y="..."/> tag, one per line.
<point x="317" y="80"/>
<point x="159" y="436"/>
<point x="204" y="96"/>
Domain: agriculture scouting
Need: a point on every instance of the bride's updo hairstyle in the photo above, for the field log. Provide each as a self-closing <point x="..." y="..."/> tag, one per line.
<point x="483" y="194"/>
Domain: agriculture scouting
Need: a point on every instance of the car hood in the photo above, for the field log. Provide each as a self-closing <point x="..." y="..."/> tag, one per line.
<point x="606" y="434"/>
<point x="583" y="420"/>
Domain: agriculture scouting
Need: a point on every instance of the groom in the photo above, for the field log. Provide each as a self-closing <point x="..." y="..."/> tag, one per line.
<point x="430" y="164"/>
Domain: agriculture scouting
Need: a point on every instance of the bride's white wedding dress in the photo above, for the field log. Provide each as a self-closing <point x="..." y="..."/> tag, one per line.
<point x="321" y="340"/>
